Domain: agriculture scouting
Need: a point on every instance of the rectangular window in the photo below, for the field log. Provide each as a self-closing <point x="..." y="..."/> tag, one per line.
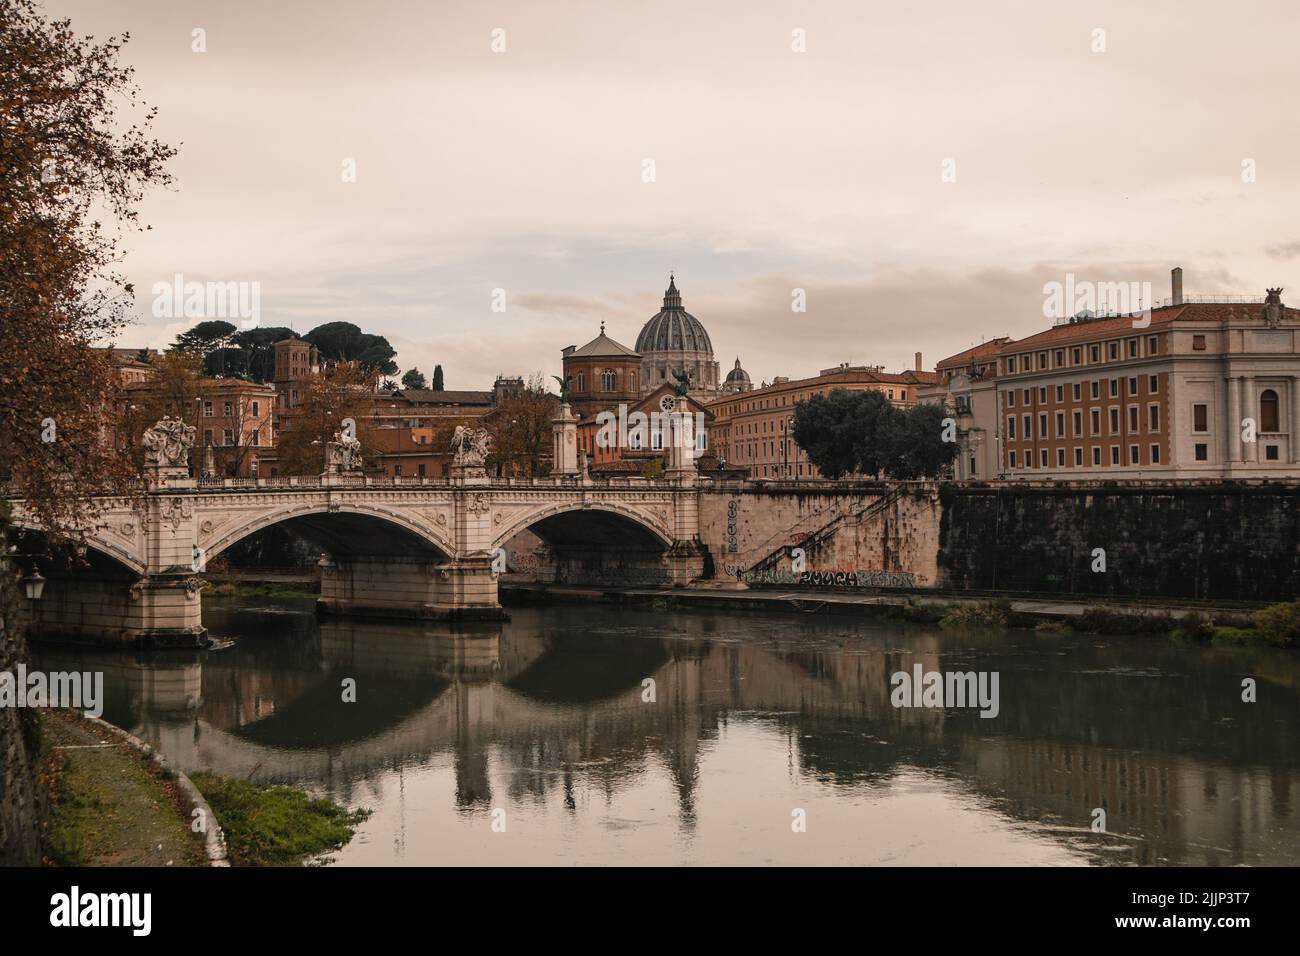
<point x="1060" y="393"/>
<point x="1060" y="458"/>
<point x="1078" y="424"/>
<point x="1076" y="356"/>
<point x="227" y="437"/>
<point x="1077" y="391"/>
<point x="1096" y="421"/>
<point x="1153" y="384"/>
<point x="257" y="409"/>
<point x="1132" y="386"/>
<point x="1011" y="398"/>
<point x="1042" y="457"/>
<point x="1132" y="419"/>
<point x="421" y="469"/>
<point x="1133" y="455"/>
<point x="256" y="436"/>
<point x="1060" y="424"/>
<point x="1094" y="353"/>
<point x="1029" y="428"/>
<point x="1114" y="454"/>
<point x="1011" y="427"/>
<point x="1112" y="350"/>
<point x="1011" y="363"/>
<point x="1028" y="397"/>
<point x="1153" y="345"/>
<point x="228" y="409"/>
<point x="207" y="409"/>
<point x="1013" y="459"/>
<point x="1153" y="418"/>
<point x="1155" y="454"/>
<point x="1202" y="452"/>
<point x="1198" y="343"/>
<point x="1114" y="421"/>
<point x="1096" y="389"/>
<point x="397" y="471"/>
<point x="1042" y="361"/>
<point x="1096" y="454"/>
<point x="1042" y="425"/>
<point x="1078" y="457"/>
<point x="1060" y="357"/>
<point x="1200" y="418"/>
<point x="1132" y="348"/>
<point x="1114" y="388"/>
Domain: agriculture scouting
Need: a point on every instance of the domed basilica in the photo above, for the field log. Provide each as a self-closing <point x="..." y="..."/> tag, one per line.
<point x="675" y="339"/>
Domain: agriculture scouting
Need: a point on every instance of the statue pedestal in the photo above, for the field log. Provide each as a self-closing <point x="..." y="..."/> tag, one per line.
<point x="167" y="476"/>
<point x="564" y="448"/>
<point x="468" y="475"/>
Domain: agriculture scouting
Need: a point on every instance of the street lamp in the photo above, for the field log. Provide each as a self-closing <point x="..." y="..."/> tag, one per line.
<point x="34" y="585"/>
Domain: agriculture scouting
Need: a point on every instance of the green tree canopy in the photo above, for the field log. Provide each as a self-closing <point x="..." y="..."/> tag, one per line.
<point x="862" y="432"/>
<point x="437" y="378"/>
<point x="414" y="378"/>
<point x="345" y="342"/>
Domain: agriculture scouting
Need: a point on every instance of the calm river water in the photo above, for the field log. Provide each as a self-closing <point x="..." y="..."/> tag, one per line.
<point x="753" y="719"/>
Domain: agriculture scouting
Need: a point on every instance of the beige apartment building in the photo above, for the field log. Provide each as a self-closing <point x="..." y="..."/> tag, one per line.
<point x="754" y="429"/>
<point x="966" y="385"/>
<point x="1193" y="389"/>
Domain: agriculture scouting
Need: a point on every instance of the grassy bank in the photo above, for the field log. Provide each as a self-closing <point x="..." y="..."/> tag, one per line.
<point x="275" y="825"/>
<point x="109" y="804"/>
<point x="277" y="589"/>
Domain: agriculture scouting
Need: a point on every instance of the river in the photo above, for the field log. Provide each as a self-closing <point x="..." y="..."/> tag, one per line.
<point x="601" y="735"/>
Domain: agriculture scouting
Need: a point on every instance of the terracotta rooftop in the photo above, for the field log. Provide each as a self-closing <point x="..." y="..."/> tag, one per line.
<point x="1116" y="326"/>
<point x="984" y="352"/>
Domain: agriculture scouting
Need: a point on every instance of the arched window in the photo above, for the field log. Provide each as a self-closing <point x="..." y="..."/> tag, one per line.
<point x="608" y="380"/>
<point x="1268" y="412"/>
<point x="581" y="384"/>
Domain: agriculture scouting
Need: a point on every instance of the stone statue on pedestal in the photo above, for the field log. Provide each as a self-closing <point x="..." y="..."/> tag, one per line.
<point x="343" y="455"/>
<point x="167" y="444"/>
<point x="470" y="446"/>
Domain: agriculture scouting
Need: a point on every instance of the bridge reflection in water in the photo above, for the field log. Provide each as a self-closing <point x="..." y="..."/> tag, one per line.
<point x="754" y="717"/>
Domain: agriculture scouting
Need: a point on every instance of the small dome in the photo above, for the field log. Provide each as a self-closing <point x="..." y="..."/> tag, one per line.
<point x="673" y="329"/>
<point x="738" y="374"/>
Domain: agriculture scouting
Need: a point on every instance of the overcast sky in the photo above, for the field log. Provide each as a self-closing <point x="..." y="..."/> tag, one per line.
<point x="774" y="169"/>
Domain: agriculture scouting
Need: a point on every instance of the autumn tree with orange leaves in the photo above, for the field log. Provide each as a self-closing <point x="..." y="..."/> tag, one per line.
<point x="76" y="157"/>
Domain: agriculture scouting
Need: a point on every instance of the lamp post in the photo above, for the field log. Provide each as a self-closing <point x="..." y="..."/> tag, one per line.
<point x="785" y="464"/>
<point x="34" y="585"/>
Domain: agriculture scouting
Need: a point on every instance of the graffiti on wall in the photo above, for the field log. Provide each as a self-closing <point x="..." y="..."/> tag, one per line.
<point x="858" y="578"/>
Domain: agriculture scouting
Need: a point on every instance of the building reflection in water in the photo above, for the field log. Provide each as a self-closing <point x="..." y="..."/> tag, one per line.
<point x="549" y="710"/>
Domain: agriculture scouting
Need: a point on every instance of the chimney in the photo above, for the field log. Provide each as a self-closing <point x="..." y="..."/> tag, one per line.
<point x="1176" y="281"/>
<point x="918" y="361"/>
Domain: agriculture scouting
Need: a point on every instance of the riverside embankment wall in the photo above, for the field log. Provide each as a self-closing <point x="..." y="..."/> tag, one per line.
<point x="1190" y="539"/>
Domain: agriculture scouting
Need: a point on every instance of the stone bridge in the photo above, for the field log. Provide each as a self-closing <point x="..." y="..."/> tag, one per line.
<point x="391" y="547"/>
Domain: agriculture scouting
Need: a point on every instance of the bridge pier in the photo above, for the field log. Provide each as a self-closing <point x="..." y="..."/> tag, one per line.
<point x="409" y="587"/>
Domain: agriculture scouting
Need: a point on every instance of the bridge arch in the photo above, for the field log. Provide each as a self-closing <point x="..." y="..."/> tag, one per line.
<point x="113" y="552"/>
<point x="340" y="528"/>
<point x="651" y="527"/>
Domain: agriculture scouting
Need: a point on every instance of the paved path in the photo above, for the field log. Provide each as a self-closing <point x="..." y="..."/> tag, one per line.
<point x="113" y="807"/>
<point x="845" y="601"/>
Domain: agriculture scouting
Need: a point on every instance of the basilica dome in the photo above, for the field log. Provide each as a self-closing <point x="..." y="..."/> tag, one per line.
<point x="673" y="339"/>
<point x="673" y="329"/>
